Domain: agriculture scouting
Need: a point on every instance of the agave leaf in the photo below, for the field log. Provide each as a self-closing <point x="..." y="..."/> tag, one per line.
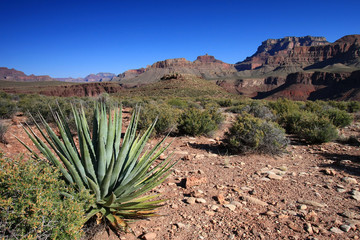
<point x="74" y="155"/>
<point x="95" y="188"/>
<point x="110" y="201"/>
<point x="104" y="188"/>
<point x="110" y="137"/>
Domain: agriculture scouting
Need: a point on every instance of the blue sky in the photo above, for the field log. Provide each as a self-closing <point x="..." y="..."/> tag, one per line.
<point x="64" y="38"/>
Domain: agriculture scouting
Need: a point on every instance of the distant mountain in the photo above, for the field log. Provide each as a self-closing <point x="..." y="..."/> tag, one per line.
<point x="7" y="74"/>
<point x="292" y="54"/>
<point x="99" y="77"/>
<point x="299" y="68"/>
<point x="205" y="66"/>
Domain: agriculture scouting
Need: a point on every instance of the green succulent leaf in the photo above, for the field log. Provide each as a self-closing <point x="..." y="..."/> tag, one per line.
<point x="117" y="172"/>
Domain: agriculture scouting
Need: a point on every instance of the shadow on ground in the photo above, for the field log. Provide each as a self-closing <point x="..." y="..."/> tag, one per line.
<point x="352" y="166"/>
<point x="214" y="148"/>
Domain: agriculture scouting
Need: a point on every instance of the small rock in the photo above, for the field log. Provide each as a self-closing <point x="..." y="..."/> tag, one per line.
<point x="302" y="207"/>
<point x="270" y="213"/>
<point x="272" y="175"/>
<point x="351" y="215"/>
<point x="197" y="193"/>
<point x="356" y="197"/>
<point x="230" y="206"/>
<point x="264" y="179"/>
<point x="221" y="199"/>
<point x="214" y="207"/>
<point x="312" y="203"/>
<point x="294" y="227"/>
<point x="283" y="168"/>
<point x="194" y="181"/>
<point x="180" y="225"/>
<point x="200" y="200"/>
<point x="149" y="236"/>
<point x="349" y="180"/>
<point x="210" y="213"/>
<point x="330" y="172"/>
<point x="353" y="223"/>
<point x="340" y="190"/>
<point x="162" y="156"/>
<point x="308" y="228"/>
<point x="190" y="200"/>
<point x="254" y="200"/>
<point x="345" y="227"/>
<point x="283" y="216"/>
<point x="336" y="230"/>
<point x="312" y="217"/>
<point x="246" y="189"/>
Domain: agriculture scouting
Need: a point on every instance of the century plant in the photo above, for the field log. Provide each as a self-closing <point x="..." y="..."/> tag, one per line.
<point x="117" y="172"/>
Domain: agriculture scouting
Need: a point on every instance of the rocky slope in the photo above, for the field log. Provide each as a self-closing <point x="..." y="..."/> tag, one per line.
<point x="15" y="75"/>
<point x="303" y="53"/>
<point x="204" y="66"/>
<point x="66" y="89"/>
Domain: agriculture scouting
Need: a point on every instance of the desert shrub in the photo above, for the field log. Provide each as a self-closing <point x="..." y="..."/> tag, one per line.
<point x="32" y="205"/>
<point x="339" y="118"/>
<point x="291" y="121"/>
<point x="3" y="129"/>
<point x="259" y="110"/>
<point x="196" y="122"/>
<point x="317" y="130"/>
<point x="251" y="134"/>
<point x="178" y="103"/>
<point x="7" y="107"/>
<point x="339" y="104"/>
<point x="353" y="106"/>
<point x="38" y="104"/>
<point x="316" y="107"/>
<point x="225" y="102"/>
<point x="167" y="117"/>
<point x="284" y="106"/>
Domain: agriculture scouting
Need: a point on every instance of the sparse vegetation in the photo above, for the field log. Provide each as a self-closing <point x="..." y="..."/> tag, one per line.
<point x="3" y="129"/>
<point x="7" y="106"/>
<point x="117" y="175"/>
<point x="36" y="204"/>
<point x="167" y="117"/>
<point x="197" y="122"/>
<point x="318" y="130"/>
<point x="251" y="134"/>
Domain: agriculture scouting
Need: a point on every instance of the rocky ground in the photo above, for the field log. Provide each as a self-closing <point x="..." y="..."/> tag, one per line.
<point x="310" y="192"/>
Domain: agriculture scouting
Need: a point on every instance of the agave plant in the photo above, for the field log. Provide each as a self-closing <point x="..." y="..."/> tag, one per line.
<point x="117" y="172"/>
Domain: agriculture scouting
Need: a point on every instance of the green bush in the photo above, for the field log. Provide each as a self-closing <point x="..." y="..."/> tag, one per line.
<point x="225" y="102"/>
<point x="7" y="108"/>
<point x="167" y="117"/>
<point x="196" y="122"/>
<point x="3" y="129"/>
<point x="178" y="103"/>
<point x="317" y="130"/>
<point x="259" y="110"/>
<point x="284" y="106"/>
<point x="251" y="134"/>
<point x="32" y="206"/>
<point x="35" y="104"/>
<point x="291" y="121"/>
<point x="339" y="118"/>
<point x="353" y="106"/>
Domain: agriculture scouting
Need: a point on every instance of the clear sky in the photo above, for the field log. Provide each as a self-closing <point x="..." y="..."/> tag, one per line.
<point x="64" y="38"/>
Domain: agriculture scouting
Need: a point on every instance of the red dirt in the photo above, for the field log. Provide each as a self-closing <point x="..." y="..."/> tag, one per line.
<point x="308" y="173"/>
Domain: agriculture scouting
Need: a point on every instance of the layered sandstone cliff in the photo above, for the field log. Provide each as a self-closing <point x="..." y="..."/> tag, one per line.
<point x="303" y="53"/>
<point x="7" y="74"/>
